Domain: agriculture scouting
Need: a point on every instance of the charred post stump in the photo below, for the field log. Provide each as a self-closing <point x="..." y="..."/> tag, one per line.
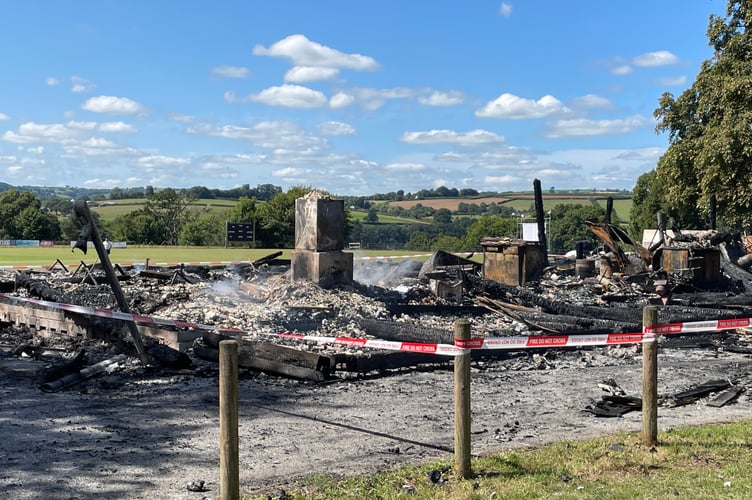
<point x="229" y="467"/>
<point x="462" y="403"/>
<point x="650" y="379"/>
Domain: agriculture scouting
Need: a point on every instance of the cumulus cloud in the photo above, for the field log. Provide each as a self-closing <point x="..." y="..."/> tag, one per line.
<point x="404" y="167"/>
<point x="287" y="95"/>
<point x="438" y="98"/>
<point x="512" y="107"/>
<point x="336" y="128"/>
<point x="472" y="138"/>
<point x="79" y="84"/>
<point x="304" y="52"/>
<point x="622" y="69"/>
<point x="583" y="127"/>
<point x="303" y="74"/>
<point x="113" y="105"/>
<point x="117" y="127"/>
<point x="658" y="58"/>
<point x="52" y="81"/>
<point x="159" y="161"/>
<point x="4" y="117"/>
<point x="591" y="101"/>
<point x="271" y="134"/>
<point x="505" y="9"/>
<point x="341" y="100"/>
<point x="230" y="72"/>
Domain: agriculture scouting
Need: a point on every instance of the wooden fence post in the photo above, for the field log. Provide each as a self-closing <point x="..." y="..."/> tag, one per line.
<point x="650" y="380"/>
<point x="462" y="404"/>
<point x="229" y="468"/>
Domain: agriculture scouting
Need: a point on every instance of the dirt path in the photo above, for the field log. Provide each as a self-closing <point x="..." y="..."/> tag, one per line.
<point x="143" y="436"/>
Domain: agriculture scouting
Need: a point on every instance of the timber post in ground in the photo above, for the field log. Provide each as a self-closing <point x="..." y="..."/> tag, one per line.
<point x="229" y="467"/>
<point x="650" y="380"/>
<point x="462" y="404"/>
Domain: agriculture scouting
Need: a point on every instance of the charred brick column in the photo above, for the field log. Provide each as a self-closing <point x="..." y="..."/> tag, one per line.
<point x="319" y="240"/>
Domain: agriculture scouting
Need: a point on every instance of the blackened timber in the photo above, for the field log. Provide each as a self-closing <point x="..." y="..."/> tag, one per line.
<point x="404" y="332"/>
<point x="384" y="360"/>
<point x="267" y="356"/>
<point x="264" y="365"/>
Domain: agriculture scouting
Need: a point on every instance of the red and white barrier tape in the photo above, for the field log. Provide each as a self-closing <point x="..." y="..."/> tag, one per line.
<point x="459" y="347"/>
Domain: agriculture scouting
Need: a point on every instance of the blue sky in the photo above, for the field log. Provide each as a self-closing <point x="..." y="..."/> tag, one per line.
<point x="351" y="97"/>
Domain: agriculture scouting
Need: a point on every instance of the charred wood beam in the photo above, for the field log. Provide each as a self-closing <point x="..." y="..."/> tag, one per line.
<point x="38" y="288"/>
<point x="384" y="360"/>
<point x="269" y="357"/>
<point x="403" y="332"/>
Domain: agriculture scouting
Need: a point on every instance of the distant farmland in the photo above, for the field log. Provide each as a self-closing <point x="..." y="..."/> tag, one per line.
<point x="523" y="202"/>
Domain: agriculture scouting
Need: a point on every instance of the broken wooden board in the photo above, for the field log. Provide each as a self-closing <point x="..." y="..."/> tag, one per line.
<point x="269" y="357"/>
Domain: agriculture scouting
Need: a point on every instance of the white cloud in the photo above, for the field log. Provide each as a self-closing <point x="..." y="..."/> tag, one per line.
<point x="505" y="9"/>
<point x="52" y="81"/>
<point x="673" y="81"/>
<point x="341" y="100"/>
<point x="79" y="84"/>
<point x="303" y="74"/>
<point x="94" y="146"/>
<point x="512" y="107"/>
<point x="303" y="52"/>
<point x="112" y="105"/>
<point x="653" y="59"/>
<point x="591" y="101"/>
<point x="117" y="127"/>
<point x="159" y="161"/>
<point x="4" y="117"/>
<point x="372" y="99"/>
<point x="438" y="98"/>
<point x="336" y="128"/>
<point x="474" y="137"/>
<point x="230" y="72"/>
<point x="287" y="95"/>
<point x="622" y="69"/>
<point x="582" y="127"/>
<point x="404" y="167"/>
<point x="267" y="134"/>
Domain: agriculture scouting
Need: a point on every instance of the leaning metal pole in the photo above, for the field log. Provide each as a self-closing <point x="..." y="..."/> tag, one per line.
<point x="90" y="231"/>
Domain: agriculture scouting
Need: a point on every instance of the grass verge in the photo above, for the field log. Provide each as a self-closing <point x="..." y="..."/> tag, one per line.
<point x="708" y="461"/>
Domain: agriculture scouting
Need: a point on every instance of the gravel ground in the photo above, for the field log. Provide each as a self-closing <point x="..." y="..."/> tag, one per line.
<point x="130" y="434"/>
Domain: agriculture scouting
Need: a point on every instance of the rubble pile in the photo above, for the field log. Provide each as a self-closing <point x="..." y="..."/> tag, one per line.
<point x="409" y="301"/>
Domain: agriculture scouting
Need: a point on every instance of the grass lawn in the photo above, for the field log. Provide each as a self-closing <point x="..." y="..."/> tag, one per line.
<point x="46" y="256"/>
<point x="708" y="461"/>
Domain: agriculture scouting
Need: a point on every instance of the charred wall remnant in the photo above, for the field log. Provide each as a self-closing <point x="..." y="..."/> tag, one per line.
<point x="319" y="240"/>
<point x="512" y="262"/>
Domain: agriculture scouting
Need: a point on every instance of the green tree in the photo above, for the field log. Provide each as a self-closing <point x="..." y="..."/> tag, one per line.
<point x="245" y="210"/>
<point x="568" y="225"/>
<point x="710" y="137"/>
<point x="371" y="216"/>
<point x="138" y="227"/>
<point x="205" y="230"/>
<point x="171" y="210"/>
<point x="21" y="217"/>
<point x="489" y="226"/>
<point x="276" y="219"/>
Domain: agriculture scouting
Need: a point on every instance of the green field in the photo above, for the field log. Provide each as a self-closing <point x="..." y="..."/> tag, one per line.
<point x="47" y="256"/>
<point x="110" y="210"/>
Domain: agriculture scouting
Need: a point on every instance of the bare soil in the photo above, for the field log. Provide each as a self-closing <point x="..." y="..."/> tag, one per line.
<point x="134" y="434"/>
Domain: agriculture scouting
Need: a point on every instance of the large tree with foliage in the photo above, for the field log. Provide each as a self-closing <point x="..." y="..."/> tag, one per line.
<point x="710" y="151"/>
<point x="171" y="211"/>
<point x="21" y="217"/>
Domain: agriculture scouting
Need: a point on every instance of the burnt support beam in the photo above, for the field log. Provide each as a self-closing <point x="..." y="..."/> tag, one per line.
<point x="90" y="231"/>
<point x="609" y="209"/>
<point x="540" y="218"/>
